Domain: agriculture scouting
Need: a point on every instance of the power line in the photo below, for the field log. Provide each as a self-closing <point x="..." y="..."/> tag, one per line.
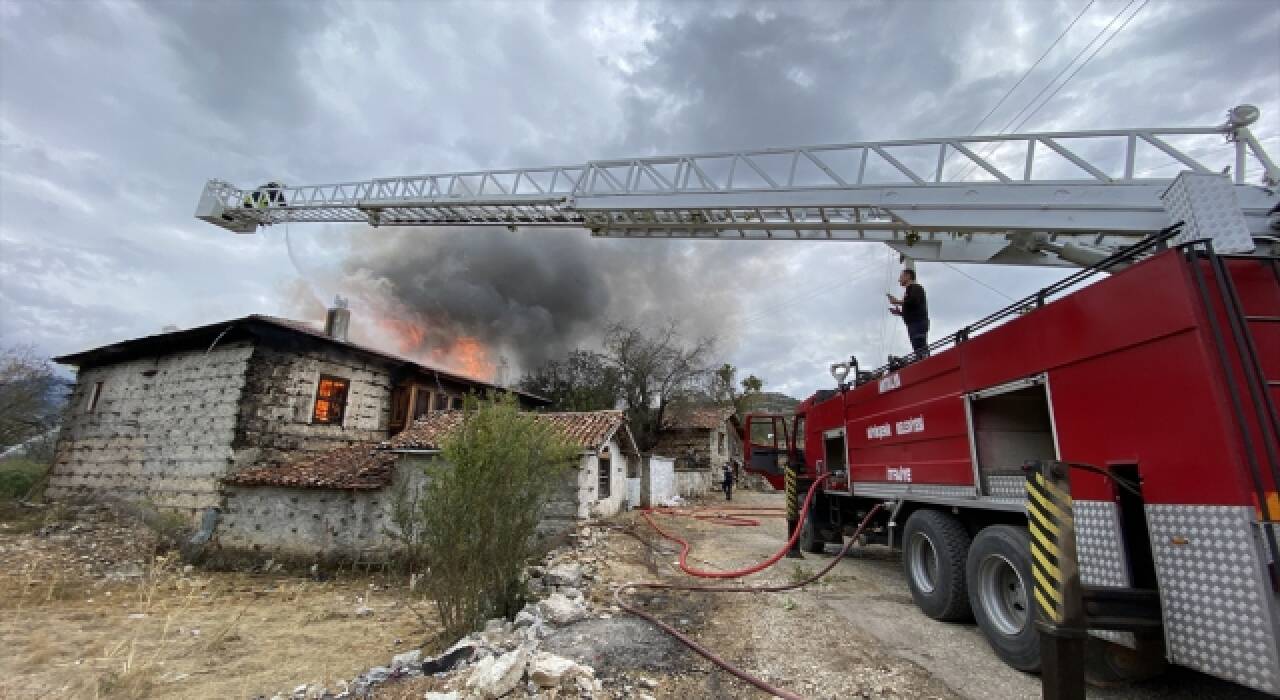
<point x="1048" y="85"/>
<point x="1086" y="62"/>
<point x="772" y="309"/>
<point x="1032" y="68"/>
<point x="975" y="279"/>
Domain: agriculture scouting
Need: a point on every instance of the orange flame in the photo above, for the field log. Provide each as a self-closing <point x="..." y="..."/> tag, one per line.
<point x="463" y="354"/>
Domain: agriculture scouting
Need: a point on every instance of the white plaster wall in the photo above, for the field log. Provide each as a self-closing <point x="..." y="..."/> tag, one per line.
<point x="307" y="522"/>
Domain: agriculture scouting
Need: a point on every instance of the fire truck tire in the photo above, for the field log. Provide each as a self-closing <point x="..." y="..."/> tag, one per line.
<point x="999" y="572"/>
<point x="811" y="540"/>
<point x="934" y="547"/>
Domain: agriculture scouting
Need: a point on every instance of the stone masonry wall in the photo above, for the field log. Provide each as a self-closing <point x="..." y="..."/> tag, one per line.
<point x="275" y="418"/>
<point x="162" y="429"/>
<point x="320" y="523"/>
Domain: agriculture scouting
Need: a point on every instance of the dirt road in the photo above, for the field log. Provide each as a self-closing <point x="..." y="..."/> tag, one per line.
<point x="857" y="632"/>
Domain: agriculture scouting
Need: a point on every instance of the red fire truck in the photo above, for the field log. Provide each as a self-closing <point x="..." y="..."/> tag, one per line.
<point x="1163" y="375"/>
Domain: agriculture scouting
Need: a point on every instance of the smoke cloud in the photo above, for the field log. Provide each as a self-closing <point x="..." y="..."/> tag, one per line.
<point x="471" y="298"/>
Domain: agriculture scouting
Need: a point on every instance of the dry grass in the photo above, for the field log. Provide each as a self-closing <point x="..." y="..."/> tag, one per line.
<point x="193" y="635"/>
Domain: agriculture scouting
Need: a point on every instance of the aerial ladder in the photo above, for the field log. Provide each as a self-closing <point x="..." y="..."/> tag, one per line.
<point x="1144" y="404"/>
<point x="1055" y="198"/>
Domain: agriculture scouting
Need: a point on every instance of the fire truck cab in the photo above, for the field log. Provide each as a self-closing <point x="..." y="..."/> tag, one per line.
<point x="1159" y="381"/>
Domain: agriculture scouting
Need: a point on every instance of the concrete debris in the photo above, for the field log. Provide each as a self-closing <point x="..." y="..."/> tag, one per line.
<point x="406" y="660"/>
<point x="453" y="695"/>
<point x="494" y="677"/>
<point x="363" y="611"/>
<point x="549" y="671"/>
<point x="564" y="575"/>
<point x="559" y="609"/>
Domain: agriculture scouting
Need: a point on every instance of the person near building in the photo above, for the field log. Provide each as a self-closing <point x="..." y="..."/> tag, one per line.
<point x="914" y="310"/>
<point x="727" y="479"/>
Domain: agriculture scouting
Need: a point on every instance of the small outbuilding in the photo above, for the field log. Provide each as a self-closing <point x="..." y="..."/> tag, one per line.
<point x="338" y="504"/>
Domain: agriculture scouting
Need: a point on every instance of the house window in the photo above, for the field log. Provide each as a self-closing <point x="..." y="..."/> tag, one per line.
<point x="442" y="402"/>
<point x="720" y="443"/>
<point x="457" y="403"/>
<point x="331" y="400"/>
<point x="94" y="395"/>
<point x="605" y="472"/>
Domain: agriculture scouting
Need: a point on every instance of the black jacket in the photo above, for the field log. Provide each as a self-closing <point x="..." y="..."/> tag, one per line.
<point x="914" y="305"/>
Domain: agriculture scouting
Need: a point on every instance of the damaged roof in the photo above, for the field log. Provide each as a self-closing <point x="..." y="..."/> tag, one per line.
<point x="586" y="430"/>
<point x="359" y="466"/>
<point x="254" y="326"/>
<point x="696" y="418"/>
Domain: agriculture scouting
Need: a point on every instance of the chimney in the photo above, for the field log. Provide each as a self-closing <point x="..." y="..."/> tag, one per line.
<point x="337" y="320"/>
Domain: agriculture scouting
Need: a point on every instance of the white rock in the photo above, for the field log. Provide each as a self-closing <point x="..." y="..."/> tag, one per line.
<point x="561" y="610"/>
<point x="452" y="695"/>
<point x="494" y="625"/>
<point x="364" y="611"/>
<point x="494" y="677"/>
<point x="527" y="617"/>
<point x="549" y="670"/>
<point x="409" y="658"/>
<point x="564" y="575"/>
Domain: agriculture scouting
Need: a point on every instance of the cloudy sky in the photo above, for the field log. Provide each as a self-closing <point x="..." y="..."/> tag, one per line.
<point x="113" y="115"/>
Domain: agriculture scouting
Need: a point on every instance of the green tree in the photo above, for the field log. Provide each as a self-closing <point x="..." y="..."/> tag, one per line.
<point x="724" y="389"/>
<point x="481" y="506"/>
<point x="582" y="381"/>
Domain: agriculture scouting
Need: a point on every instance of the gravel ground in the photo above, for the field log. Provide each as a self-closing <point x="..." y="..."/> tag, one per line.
<point x="854" y="634"/>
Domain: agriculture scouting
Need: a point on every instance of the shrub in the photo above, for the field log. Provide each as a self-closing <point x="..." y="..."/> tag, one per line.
<point x="19" y="475"/>
<point x="482" y="503"/>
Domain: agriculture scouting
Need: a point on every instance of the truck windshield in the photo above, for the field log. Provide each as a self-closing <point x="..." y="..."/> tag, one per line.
<point x="797" y="430"/>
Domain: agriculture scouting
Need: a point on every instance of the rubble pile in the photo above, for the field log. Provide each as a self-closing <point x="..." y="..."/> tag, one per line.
<point x="90" y="542"/>
<point x="505" y="659"/>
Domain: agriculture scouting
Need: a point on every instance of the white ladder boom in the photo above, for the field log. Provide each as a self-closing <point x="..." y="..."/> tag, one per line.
<point x="1003" y="195"/>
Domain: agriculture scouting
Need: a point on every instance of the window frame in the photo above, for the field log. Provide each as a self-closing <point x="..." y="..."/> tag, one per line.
<point x="95" y="395"/>
<point x="604" y="476"/>
<point x="333" y="417"/>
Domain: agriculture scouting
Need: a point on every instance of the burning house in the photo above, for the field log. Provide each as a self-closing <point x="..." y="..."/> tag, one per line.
<point x="339" y="503"/>
<point x="164" y="418"/>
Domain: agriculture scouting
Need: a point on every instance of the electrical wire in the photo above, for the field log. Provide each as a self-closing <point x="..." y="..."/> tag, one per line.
<point x="1086" y="62"/>
<point x="773" y="309"/>
<point x="1006" y="128"/>
<point x="975" y="279"/>
<point x="1028" y="72"/>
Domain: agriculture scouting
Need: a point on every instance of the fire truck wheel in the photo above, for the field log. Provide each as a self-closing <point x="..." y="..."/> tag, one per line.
<point x="999" y="570"/>
<point x="810" y="539"/>
<point x="934" y="546"/>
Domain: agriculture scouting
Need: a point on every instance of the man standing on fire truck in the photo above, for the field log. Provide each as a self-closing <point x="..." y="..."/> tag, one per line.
<point x="914" y="310"/>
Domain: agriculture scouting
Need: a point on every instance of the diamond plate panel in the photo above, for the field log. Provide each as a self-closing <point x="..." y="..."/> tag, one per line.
<point x="1219" y="612"/>
<point x="1101" y="555"/>
<point x="876" y="488"/>
<point x="1208" y="205"/>
<point x="1011" y="487"/>
<point x="1099" y="545"/>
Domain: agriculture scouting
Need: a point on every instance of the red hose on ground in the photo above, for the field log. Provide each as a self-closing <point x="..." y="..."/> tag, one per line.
<point x="738" y="573"/>
<point x="707" y="653"/>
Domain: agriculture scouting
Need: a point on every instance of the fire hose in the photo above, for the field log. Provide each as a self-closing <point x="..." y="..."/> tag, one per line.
<point x="738" y="573"/>
<point x="707" y="653"/>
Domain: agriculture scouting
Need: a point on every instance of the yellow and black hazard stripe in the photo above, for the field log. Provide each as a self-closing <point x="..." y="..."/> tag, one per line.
<point x="793" y="507"/>
<point x="1049" y="517"/>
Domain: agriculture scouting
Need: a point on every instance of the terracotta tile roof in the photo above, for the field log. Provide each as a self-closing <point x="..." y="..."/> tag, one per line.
<point x="587" y="430"/>
<point x="696" y="418"/>
<point x="359" y="466"/>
